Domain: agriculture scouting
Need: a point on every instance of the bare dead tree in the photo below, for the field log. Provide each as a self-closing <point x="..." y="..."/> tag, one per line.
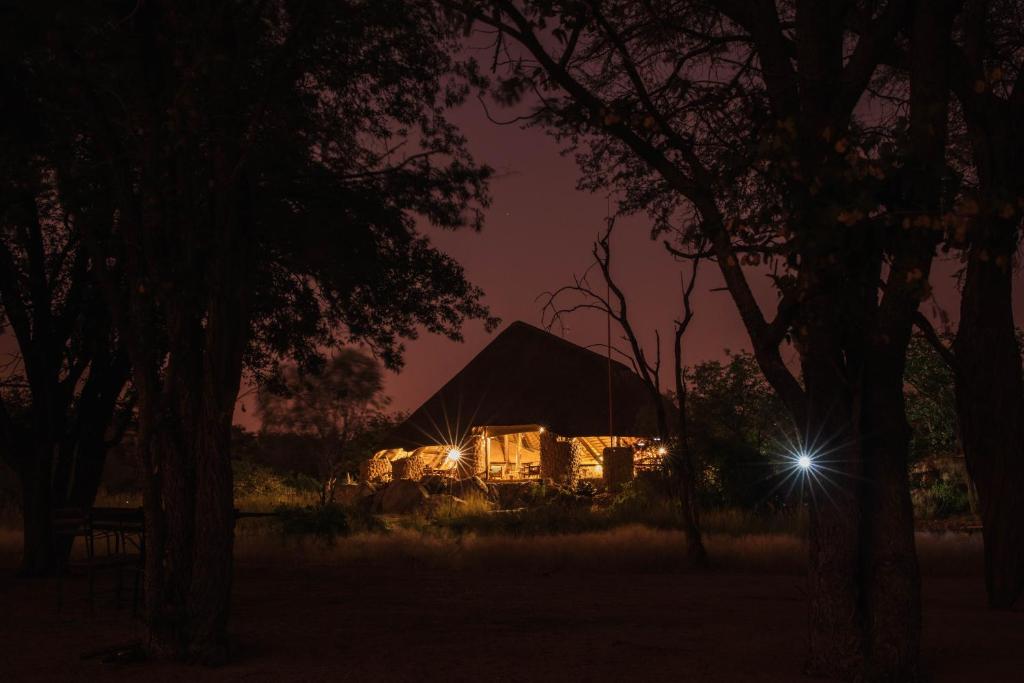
<point x="582" y="295"/>
<point x="682" y="461"/>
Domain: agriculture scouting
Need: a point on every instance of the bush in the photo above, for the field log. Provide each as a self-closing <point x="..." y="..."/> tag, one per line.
<point x="323" y="522"/>
<point x="944" y="498"/>
<point x="258" y="486"/>
<point x="585" y="489"/>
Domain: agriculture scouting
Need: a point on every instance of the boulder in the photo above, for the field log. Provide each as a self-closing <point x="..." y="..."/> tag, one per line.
<point x="402" y="497"/>
<point x="365" y="496"/>
<point x="347" y="494"/>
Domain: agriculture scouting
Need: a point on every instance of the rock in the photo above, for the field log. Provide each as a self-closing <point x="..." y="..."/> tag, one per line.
<point x="402" y="497"/>
<point x="347" y="494"/>
<point x="366" y="495"/>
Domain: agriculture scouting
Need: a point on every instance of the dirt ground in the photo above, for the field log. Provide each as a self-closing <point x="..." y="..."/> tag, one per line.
<point x="406" y="619"/>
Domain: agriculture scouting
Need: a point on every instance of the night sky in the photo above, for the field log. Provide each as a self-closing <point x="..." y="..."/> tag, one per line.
<point x="538" y="232"/>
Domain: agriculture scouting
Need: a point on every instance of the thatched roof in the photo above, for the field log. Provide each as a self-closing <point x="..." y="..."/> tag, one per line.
<point x="527" y="376"/>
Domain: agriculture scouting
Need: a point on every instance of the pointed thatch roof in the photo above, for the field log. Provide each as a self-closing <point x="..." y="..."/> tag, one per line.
<point x="527" y="376"/>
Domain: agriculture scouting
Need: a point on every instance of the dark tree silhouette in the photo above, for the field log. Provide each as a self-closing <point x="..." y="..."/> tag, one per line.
<point x="260" y="171"/>
<point x="988" y="79"/>
<point x="64" y="403"/>
<point x="738" y="118"/>
<point x="613" y="302"/>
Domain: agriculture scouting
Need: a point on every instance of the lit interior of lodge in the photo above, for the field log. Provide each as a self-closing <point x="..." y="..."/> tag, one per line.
<point x="511" y="453"/>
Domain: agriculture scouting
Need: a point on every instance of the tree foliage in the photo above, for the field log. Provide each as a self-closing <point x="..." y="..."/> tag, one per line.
<point x="341" y="408"/>
<point x="931" y="403"/>
<point x="249" y="180"/>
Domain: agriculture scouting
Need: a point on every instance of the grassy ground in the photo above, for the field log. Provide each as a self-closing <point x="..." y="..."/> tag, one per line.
<point x="414" y="605"/>
<point x="558" y="592"/>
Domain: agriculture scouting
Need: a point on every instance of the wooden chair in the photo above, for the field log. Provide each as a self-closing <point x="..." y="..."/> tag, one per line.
<point x="108" y="545"/>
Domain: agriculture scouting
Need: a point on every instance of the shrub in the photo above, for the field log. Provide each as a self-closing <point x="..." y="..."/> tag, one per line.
<point x="585" y="488"/>
<point x="323" y="522"/>
<point x="944" y="498"/>
<point x="260" y="488"/>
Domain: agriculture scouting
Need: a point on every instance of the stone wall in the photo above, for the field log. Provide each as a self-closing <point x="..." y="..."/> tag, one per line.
<point x="375" y="470"/>
<point x="559" y="460"/>
<point x="409" y="467"/>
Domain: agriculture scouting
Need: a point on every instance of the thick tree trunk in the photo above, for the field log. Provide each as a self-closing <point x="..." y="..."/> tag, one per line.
<point x="836" y="622"/>
<point x="38" y="549"/>
<point x="210" y="595"/>
<point x="190" y="532"/>
<point x="71" y="478"/>
<point x="892" y="593"/>
<point x="48" y="485"/>
<point x="990" y="406"/>
<point x="169" y="513"/>
<point x="189" y="495"/>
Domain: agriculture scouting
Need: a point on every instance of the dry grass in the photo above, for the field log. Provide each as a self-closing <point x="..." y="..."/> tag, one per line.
<point x="736" y="542"/>
<point x="249" y="503"/>
<point x="630" y="549"/>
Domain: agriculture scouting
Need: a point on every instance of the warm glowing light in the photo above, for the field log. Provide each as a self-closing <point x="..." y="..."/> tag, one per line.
<point x="453" y="455"/>
<point x="662" y="450"/>
<point x="541" y="430"/>
<point x="804" y="462"/>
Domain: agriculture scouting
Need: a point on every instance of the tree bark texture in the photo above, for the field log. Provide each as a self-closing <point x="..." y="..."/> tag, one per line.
<point x="990" y="406"/>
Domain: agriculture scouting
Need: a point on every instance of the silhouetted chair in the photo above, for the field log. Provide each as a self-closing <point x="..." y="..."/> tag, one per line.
<point x="112" y="540"/>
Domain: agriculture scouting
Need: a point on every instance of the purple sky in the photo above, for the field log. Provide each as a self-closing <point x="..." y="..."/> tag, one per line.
<point x="538" y="232"/>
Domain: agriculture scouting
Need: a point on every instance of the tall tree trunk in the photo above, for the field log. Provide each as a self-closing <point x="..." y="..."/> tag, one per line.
<point x="186" y="440"/>
<point x="836" y="621"/>
<point x="56" y="476"/>
<point x="892" y="579"/>
<point x="892" y="592"/>
<point x="686" y="474"/>
<point x="38" y="550"/>
<point x="990" y="405"/>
